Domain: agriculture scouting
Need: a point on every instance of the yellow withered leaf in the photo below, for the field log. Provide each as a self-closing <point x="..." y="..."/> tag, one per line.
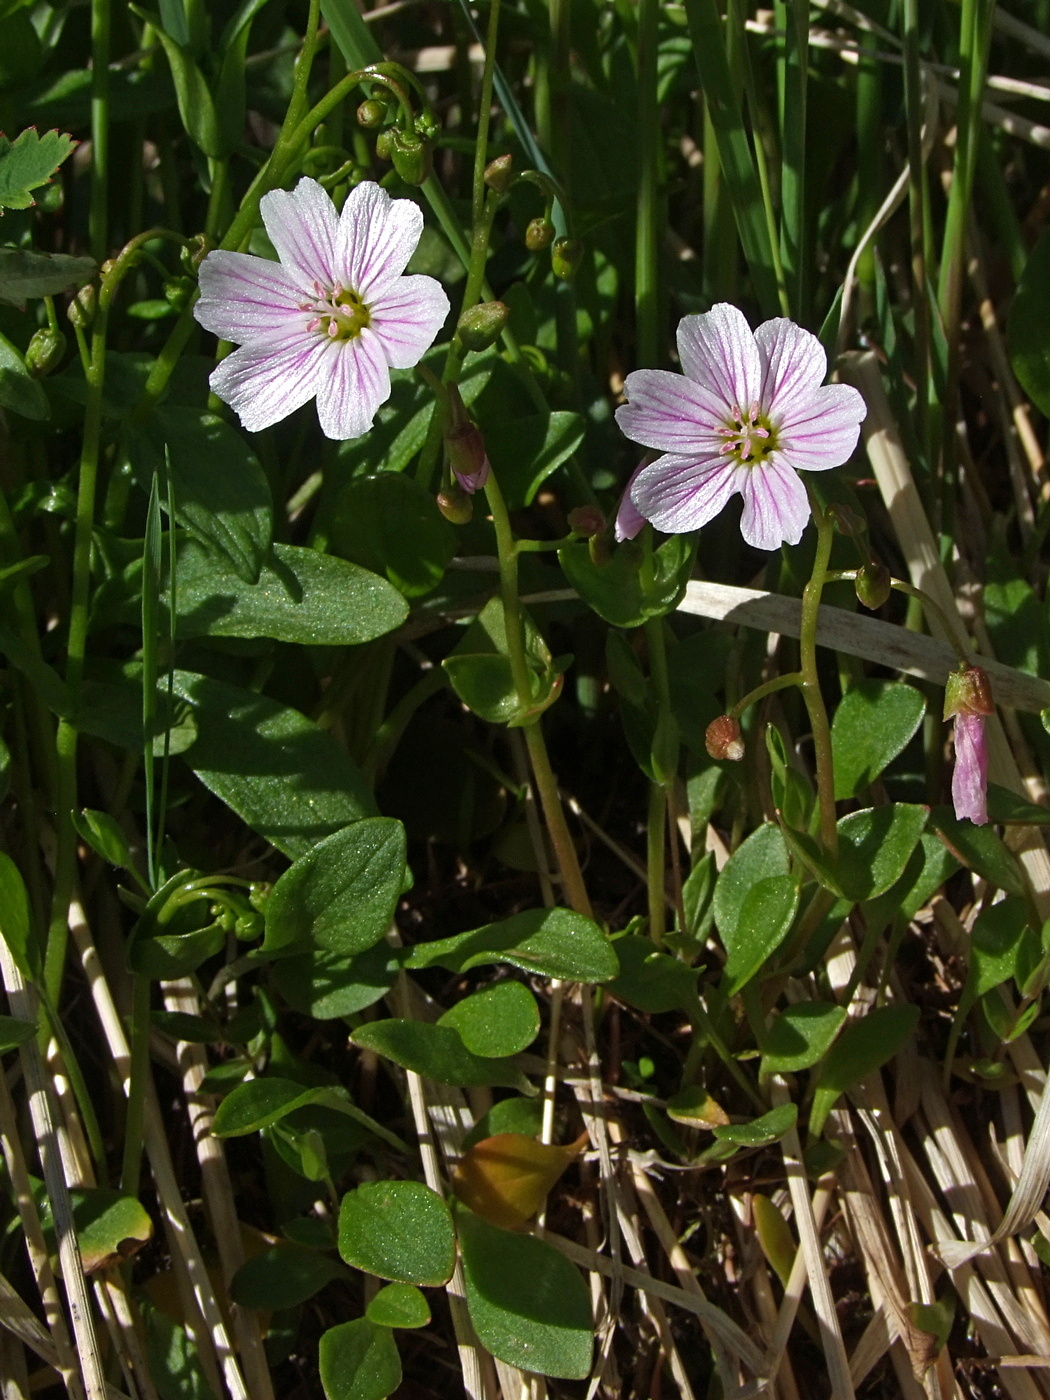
<point x="506" y="1179"/>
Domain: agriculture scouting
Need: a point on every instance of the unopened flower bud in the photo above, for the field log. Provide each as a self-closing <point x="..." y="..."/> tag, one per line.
<point x="455" y="505"/>
<point x="565" y="257"/>
<point x="873" y="584"/>
<point x="192" y="254"/>
<point x="846" y="519"/>
<point x="539" y="235"/>
<point x="371" y="113"/>
<point x="45" y="351"/>
<point x="723" y="738"/>
<point x="483" y="325"/>
<point x="466" y="456"/>
<point x="177" y="292"/>
<point x="412" y="157"/>
<point x="599" y="547"/>
<point x="499" y="173"/>
<point x="385" y="145"/>
<point x="81" y="310"/>
<point x="968" y="691"/>
<point x="586" y="521"/>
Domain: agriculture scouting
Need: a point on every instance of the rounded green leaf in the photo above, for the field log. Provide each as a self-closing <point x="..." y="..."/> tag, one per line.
<point x="763" y="854"/>
<point x="282" y="1277"/>
<point x="359" y="1361"/>
<point x="325" y="985"/>
<point x="513" y="1115"/>
<point x="1028" y="328"/>
<point x="498" y="1021"/>
<point x="111" y="1226"/>
<point x="398" y="1230"/>
<point x="14" y="1032"/>
<point x="388" y="523"/>
<point x="769" y="1128"/>
<point x="399" y="1305"/>
<point x="872" y="725"/>
<point x="438" y="1053"/>
<point x="875" y="845"/>
<point x="615" y="588"/>
<point x="801" y="1036"/>
<point x="863" y="1047"/>
<point x="340" y="896"/>
<point x="552" y="942"/>
<point x="766" y="914"/>
<point x="650" y="980"/>
<point x="530" y="1307"/>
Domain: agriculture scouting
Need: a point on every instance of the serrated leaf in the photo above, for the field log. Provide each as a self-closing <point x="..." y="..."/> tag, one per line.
<point x="28" y="162"/>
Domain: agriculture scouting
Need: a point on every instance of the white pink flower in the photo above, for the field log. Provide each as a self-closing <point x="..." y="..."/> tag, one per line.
<point x="748" y="413"/>
<point x="328" y="321"/>
<point x="968" y="698"/>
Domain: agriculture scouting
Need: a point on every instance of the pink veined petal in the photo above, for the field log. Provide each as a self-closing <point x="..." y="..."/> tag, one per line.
<point x="821" y="431"/>
<point x="247" y="298"/>
<point x="302" y="225"/>
<point x="776" y="507"/>
<point x="970" y="775"/>
<point x="629" y="520"/>
<point x="354" y="384"/>
<point x="671" y="413"/>
<point x="793" y="364"/>
<point x="264" y="383"/>
<point x="718" y="350"/>
<point x="679" y="494"/>
<point x="407" y="316"/>
<point x="377" y="236"/>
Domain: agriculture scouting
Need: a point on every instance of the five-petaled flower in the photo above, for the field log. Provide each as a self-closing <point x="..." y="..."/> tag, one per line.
<point x="330" y="319"/>
<point x="968" y="697"/>
<point x="749" y="412"/>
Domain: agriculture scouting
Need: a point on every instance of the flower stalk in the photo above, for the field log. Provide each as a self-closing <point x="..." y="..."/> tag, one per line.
<point x="811" y="692"/>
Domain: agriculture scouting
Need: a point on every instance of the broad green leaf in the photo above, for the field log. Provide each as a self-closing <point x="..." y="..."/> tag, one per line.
<point x="980" y="848"/>
<point x="389" y="524"/>
<point x="864" y="1046"/>
<point x="283" y="1277"/>
<point x="481" y="674"/>
<point x="221" y="493"/>
<point x="530" y="1307"/>
<point x="358" y="1360"/>
<point x="774" y="1235"/>
<point x="196" y="107"/>
<point x="1028" y="326"/>
<point x="762" y="855"/>
<point x="105" y="835"/>
<point x="506" y="1178"/>
<point x="438" y="1053"/>
<point x="398" y="1230"/>
<point x="25" y="274"/>
<point x="340" y="896"/>
<point x="873" y="724"/>
<point x="260" y="1103"/>
<point x="801" y="1036"/>
<point x="111" y="1227"/>
<point x="996" y="941"/>
<point x="16" y="926"/>
<point x="696" y="1108"/>
<point x="176" y="931"/>
<point x="1005" y="806"/>
<point x="524" y="451"/>
<point x="282" y="775"/>
<point x="14" y="1032"/>
<point x="770" y="1127"/>
<point x="301" y="596"/>
<point x="19" y="392"/>
<point x="650" y="980"/>
<point x="179" y="1025"/>
<point x="174" y="1360"/>
<point x="29" y="162"/>
<point x="399" y="1305"/>
<point x="875" y="845"/>
<point x="763" y="922"/>
<point x="325" y="985"/>
<point x="552" y="942"/>
<point x="501" y="1020"/>
<point x="510" y="1115"/>
<point x="618" y="591"/>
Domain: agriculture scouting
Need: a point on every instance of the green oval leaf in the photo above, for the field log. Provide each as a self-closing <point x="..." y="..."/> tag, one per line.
<point x="438" y="1053"/>
<point x="863" y="1047"/>
<point x="260" y="1103"/>
<point x="762" y="855"/>
<point x="501" y="1020"/>
<point x="650" y="980"/>
<point x="340" y="896"/>
<point x="389" y="524"/>
<point x="801" y="1036"/>
<point x="282" y="1277"/>
<point x="358" y="1361"/>
<point x="875" y="845"/>
<point x="530" y="1307"/>
<point x="399" y="1305"/>
<point x="766" y="914"/>
<point x="770" y="1127"/>
<point x="398" y="1230"/>
<point x="16" y="927"/>
<point x="872" y="725"/>
<point x="325" y="985"/>
<point x="552" y="942"/>
<point x="615" y="588"/>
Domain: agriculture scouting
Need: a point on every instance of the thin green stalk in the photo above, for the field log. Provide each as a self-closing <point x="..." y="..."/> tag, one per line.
<point x="98" y="213"/>
<point x="766" y="688"/>
<point x="665" y="757"/>
<point x="913" y="113"/>
<point x="481" y="149"/>
<point x="793" y="71"/>
<point x="646" y="266"/>
<point x="218" y="198"/>
<point x="138" y="1079"/>
<point x="811" y="693"/>
<point x="765" y="189"/>
<point x="656" y="861"/>
<point x="301" y="81"/>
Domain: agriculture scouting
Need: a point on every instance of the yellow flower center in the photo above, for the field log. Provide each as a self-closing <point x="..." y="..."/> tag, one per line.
<point x="750" y="437"/>
<point x="339" y="314"/>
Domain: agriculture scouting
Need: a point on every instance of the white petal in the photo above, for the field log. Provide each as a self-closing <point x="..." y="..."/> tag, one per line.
<point x="671" y="413"/>
<point x="821" y="431"/>
<point x="629" y="520"/>
<point x="264" y="383"/>
<point x="303" y="227"/>
<point x="407" y="316"/>
<point x="776" y="507"/>
<point x="679" y="494"/>
<point x="354" y="384"/>
<point x="793" y="364"/>
<point x="247" y="298"/>
<point x="718" y="350"/>
<point x="377" y="236"/>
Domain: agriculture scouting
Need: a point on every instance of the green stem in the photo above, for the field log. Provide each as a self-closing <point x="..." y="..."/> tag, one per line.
<point x="98" y="213"/>
<point x="220" y="188"/>
<point x="766" y="688"/>
<point x="484" y="114"/>
<point x="656" y="846"/>
<point x="138" y="1075"/>
<point x="913" y="110"/>
<point x="301" y="81"/>
<point x="811" y="693"/>
<point x="646" y="301"/>
<point x="656" y="865"/>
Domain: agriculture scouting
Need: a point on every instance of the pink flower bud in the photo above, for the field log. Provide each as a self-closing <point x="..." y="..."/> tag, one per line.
<point x="968" y="696"/>
<point x="968" y="691"/>
<point x="466" y="456"/>
<point x="723" y="739"/>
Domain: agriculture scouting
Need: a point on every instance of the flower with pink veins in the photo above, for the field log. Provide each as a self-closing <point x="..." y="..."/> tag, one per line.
<point x="331" y="319"/>
<point x="968" y="698"/>
<point x="748" y="413"/>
